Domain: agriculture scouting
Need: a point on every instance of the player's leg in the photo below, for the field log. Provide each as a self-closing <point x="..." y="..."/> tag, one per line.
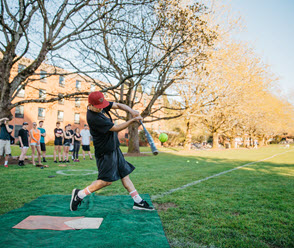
<point x="83" y="152"/>
<point x="90" y="155"/>
<point x="59" y="153"/>
<point x="39" y="154"/>
<point x="139" y="203"/>
<point x="33" y="154"/>
<point x="54" y="153"/>
<point x="78" y="195"/>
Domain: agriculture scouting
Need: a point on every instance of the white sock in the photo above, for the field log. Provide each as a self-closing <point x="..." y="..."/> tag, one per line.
<point x="136" y="197"/>
<point x="6" y="163"/>
<point x="83" y="193"/>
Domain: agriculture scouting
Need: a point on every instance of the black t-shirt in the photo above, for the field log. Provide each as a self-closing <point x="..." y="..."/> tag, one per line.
<point x="24" y="134"/>
<point x="58" y="131"/>
<point x="77" y="136"/>
<point x="69" y="132"/>
<point x="4" y="135"/>
<point x="104" y="140"/>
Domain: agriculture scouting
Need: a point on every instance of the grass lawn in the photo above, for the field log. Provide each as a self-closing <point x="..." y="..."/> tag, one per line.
<point x="249" y="207"/>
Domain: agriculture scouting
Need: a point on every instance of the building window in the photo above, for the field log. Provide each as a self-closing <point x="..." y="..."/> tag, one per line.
<point x="59" y="115"/>
<point x="92" y="88"/>
<point x="61" y="81"/>
<point x="21" y="92"/>
<point x="41" y="113"/>
<point x="19" y="112"/>
<point x="43" y="76"/>
<point x="61" y="101"/>
<point x="42" y="94"/>
<point x="126" y="135"/>
<point x="16" y="130"/>
<point x="78" y="102"/>
<point x="20" y="68"/>
<point x="77" y="118"/>
<point x="78" y="84"/>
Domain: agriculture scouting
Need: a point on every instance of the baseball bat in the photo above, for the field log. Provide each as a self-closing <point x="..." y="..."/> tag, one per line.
<point x="150" y="140"/>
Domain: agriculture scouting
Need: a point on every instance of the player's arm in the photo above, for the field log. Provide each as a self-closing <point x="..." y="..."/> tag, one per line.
<point x="126" y="108"/>
<point x="20" y="141"/>
<point x="119" y="127"/>
<point x="9" y="130"/>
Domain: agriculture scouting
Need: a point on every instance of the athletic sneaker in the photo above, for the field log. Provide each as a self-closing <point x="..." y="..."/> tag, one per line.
<point x="55" y="161"/>
<point x="6" y="165"/>
<point x="75" y="200"/>
<point x="44" y="160"/>
<point x="67" y="161"/>
<point x="64" y="161"/>
<point x="143" y="205"/>
<point x="21" y="163"/>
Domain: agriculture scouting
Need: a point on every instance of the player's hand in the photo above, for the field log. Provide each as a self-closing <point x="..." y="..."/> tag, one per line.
<point x="135" y="113"/>
<point x="138" y="118"/>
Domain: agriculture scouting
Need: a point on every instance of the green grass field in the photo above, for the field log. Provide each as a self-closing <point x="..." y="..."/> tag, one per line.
<point x="248" y="207"/>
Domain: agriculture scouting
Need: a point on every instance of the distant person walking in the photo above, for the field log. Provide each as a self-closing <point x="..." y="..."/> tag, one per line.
<point x="23" y="137"/>
<point x="86" y="140"/>
<point x="35" y="144"/>
<point x="5" y="132"/>
<point x="42" y="141"/>
<point x="58" y="132"/>
<point x="77" y="144"/>
<point x="68" y="136"/>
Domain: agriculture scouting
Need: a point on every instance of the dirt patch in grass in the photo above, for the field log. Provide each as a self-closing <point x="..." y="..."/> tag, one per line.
<point x="164" y="206"/>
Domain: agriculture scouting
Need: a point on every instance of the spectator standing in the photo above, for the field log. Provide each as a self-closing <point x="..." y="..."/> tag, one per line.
<point x="86" y="140"/>
<point x="42" y="141"/>
<point x="58" y="132"/>
<point x="77" y="144"/>
<point x="5" y="132"/>
<point x="23" y="137"/>
<point x="68" y="136"/>
<point x="71" y="148"/>
<point x="35" y="144"/>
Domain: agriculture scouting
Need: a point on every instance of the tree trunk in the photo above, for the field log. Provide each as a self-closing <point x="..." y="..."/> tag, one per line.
<point x="5" y="111"/>
<point x="188" y="139"/>
<point x="215" y="140"/>
<point x="233" y="143"/>
<point x="133" y="138"/>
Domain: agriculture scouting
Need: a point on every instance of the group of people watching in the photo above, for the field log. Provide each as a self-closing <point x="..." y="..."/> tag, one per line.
<point x="71" y="140"/>
<point x="67" y="139"/>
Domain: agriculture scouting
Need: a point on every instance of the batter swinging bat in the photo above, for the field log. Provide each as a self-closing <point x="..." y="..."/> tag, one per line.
<point x="150" y="140"/>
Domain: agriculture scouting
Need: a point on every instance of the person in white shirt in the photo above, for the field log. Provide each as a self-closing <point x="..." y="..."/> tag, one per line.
<point x="86" y="140"/>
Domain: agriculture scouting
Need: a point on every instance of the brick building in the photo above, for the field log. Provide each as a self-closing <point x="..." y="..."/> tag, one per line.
<point x="66" y="111"/>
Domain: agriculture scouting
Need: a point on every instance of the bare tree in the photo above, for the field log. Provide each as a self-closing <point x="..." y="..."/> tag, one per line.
<point x="40" y="29"/>
<point x="145" y="53"/>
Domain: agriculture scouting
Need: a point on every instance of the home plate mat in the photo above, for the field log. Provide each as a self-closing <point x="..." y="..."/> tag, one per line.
<point x="101" y="221"/>
<point x="34" y="222"/>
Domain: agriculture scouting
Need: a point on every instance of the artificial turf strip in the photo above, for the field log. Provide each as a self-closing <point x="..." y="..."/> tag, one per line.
<point x="121" y="227"/>
<point x="249" y="207"/>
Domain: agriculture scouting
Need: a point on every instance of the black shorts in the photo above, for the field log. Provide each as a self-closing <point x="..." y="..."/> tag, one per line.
<point x="43" y="147"/>
<point x="112" y="166"/>
<point x="58" y="142"/>
<point x="86" y="148"/>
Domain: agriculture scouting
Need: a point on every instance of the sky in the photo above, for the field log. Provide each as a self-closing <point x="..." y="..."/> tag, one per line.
<point x="269" y="28"/>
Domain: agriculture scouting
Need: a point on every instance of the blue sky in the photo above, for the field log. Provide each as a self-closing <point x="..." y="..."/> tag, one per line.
<point x="270" y="30"/>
